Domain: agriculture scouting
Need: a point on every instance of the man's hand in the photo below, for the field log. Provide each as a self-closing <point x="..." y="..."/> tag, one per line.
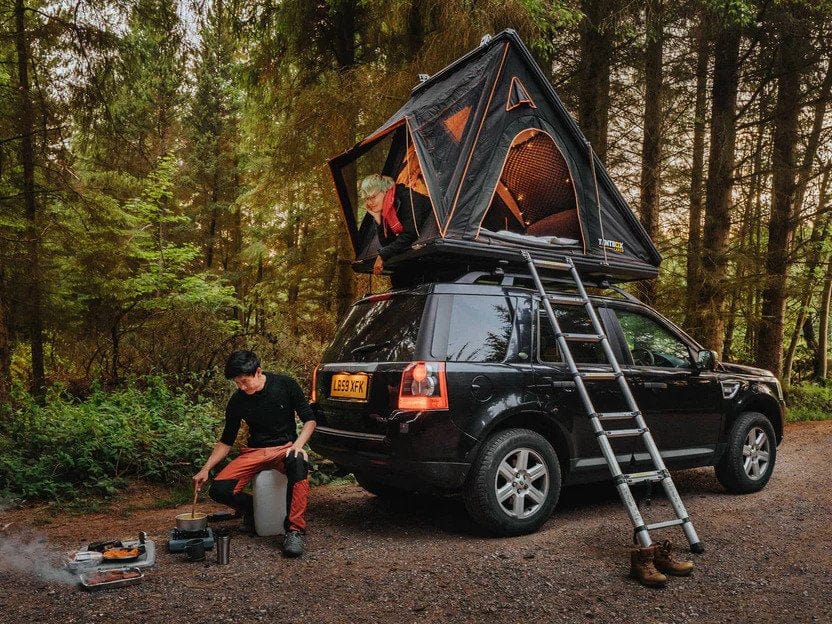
<point x="378" y="266"/>
<point x="295" y="449"/>
<point x="200" y="478"/>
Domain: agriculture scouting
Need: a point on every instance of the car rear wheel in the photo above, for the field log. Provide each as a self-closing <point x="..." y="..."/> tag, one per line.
<point x="514" y="483"/>
<point x="749" y="459"/>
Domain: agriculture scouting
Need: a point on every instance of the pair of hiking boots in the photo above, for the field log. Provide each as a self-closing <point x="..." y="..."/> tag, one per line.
<point x="650" y="565"/>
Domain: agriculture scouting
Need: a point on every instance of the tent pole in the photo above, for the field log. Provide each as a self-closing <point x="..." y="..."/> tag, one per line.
<point x="597" y="201"/>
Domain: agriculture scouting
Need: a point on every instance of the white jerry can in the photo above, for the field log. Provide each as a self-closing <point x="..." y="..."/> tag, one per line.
<point x="269" y="490"/>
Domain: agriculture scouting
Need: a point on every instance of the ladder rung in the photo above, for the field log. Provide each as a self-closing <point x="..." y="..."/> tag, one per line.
<point x="662" y="525"/>
<point x="617" y="415"/>
<point x="583" y="337"/>
<point x="624" y="433"/>
<point x="598" y="376"/>
<point x="564" y="300"/>
<point x="640" y="477"/>
<point x="550" y="264"/>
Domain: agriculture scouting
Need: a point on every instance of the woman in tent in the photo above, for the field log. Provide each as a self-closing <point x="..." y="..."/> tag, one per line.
<point x="399" y="212"/>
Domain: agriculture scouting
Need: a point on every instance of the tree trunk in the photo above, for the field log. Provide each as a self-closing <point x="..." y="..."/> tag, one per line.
<point x="345" y="53"/>
<point x="816" y="245"/>
<point x="784" y="171"/>
<point x="115" y="340"/>
<point x="823" y="331"/>
<point x="5" y="343"/>
<point x="214" y="213"/>
<point x="720" y="183"/>
<point x="813" y="142"/>
<point x="27" y="159"/>
<point x="651" y="150"/>
<point x="694" y="260"/>
<point x="597" y="41"/>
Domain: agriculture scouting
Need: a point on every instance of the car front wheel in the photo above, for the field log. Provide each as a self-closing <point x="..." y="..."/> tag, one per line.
<point x="514" y="483"/>
<point x="748" y="462"/>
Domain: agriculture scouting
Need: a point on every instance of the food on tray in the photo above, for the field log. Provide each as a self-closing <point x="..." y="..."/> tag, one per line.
<point x="111" y="576"/>
<point x="121" y="553"/>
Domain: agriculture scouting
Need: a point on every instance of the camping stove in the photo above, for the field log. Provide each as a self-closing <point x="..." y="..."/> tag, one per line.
<point x="177" y="539"/>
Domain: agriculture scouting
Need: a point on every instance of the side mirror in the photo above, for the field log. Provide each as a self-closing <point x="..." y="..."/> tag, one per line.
<point x="706" y="360"/>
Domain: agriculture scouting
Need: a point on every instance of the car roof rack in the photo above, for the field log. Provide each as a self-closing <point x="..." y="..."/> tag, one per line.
<point x="499" y="277"/>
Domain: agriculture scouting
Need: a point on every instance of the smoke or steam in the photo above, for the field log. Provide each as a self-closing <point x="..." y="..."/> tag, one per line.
<point x="31" y="555"/>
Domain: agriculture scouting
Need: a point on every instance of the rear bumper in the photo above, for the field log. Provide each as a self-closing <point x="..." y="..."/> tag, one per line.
<point x="375" y="456"/>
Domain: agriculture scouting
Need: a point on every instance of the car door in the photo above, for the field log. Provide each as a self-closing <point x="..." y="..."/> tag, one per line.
<point x="485" y="345"/>
<point x="680" y="403"/>
<point x="557" y="393"/>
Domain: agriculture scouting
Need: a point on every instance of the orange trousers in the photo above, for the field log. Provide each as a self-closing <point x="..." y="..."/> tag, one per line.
<point x="229" y="483"/>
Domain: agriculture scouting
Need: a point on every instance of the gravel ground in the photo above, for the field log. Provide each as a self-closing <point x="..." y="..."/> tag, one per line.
<point x="423" y="561"/>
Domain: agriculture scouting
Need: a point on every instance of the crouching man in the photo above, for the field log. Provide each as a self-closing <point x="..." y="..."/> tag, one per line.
<point x="268" y="403"/>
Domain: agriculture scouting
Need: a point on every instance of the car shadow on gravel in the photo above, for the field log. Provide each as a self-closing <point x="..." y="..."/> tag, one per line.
<point x="419" y="514"/>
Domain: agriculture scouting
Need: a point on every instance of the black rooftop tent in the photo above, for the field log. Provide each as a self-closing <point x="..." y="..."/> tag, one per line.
<point x="506" y="168"/>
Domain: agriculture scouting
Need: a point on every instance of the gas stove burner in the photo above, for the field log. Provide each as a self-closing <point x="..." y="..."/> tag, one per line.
<point x="178" y="539"/>
<point x="182" y="534"/>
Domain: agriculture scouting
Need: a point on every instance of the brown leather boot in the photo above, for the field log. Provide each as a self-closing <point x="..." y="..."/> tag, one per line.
<point x="642" y="568"/>
<point x="667" y="563"/>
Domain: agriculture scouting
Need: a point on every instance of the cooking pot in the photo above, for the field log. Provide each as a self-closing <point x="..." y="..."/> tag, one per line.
<point x="192" y="522"/>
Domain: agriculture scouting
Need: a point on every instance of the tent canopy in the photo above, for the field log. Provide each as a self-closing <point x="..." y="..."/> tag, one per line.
<point x="505" y="167"/>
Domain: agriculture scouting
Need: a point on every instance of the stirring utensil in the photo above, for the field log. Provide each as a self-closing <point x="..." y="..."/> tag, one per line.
<point x="193" y="505"/>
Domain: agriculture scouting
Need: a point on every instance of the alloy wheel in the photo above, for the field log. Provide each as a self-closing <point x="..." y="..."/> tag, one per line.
<point x="756" y="451"/>
<point x="522" y="483"/>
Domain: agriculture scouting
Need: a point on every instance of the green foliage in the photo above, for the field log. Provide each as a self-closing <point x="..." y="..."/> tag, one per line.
<point x="67" y="448"/>
<point x="734" y="12"/>
<point x="809" y="402"/>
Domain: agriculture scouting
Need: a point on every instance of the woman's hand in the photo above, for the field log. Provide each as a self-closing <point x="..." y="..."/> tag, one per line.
<point x="378" y="266"/>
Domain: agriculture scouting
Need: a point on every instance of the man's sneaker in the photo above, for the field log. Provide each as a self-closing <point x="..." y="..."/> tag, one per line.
<point x="293" y="544"/>
<point x="665" y="560"/>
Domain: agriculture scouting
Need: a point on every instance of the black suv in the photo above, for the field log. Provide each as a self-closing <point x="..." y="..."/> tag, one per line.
<point x="460" y="388"/>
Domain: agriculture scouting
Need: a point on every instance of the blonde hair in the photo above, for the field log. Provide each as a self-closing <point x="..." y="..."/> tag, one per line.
<point x="374" y="183"/>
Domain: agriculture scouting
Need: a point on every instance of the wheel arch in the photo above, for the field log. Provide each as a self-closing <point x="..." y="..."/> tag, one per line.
<point x="765" y="404"/>
<point x="541" y="423"/>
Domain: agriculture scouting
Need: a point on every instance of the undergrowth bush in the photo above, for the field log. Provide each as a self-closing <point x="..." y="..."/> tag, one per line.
<point x="809" y="402"/>
<point x="67" y="448"/>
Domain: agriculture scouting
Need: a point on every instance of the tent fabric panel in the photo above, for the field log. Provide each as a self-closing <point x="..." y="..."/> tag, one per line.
<point x="444" y="158"/>
<point x="517" y="95"/>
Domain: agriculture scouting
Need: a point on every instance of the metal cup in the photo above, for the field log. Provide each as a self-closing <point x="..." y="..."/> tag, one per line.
<point x="223" y="549"/>
<point x="195" y="550"/>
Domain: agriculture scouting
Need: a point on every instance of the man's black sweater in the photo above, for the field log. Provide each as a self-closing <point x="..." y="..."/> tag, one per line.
<point x="269" y="413"/>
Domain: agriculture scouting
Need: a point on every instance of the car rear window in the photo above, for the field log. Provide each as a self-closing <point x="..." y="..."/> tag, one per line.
<point x="480" y="328"/>
<point x="382" y="330"/>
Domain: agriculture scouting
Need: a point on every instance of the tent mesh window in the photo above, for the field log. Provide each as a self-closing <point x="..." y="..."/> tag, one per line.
<point x="535" y="194"/>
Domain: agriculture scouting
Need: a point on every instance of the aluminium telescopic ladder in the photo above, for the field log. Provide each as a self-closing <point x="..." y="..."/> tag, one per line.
<point x="622" y="480"/>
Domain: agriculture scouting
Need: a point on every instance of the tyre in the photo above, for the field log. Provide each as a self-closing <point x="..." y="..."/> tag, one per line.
<point x="514" y="483"/>
<point x="748" y="462"/>
<point x="382" y="490"/>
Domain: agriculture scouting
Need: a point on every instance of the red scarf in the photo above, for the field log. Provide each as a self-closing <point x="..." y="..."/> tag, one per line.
<point x="389" y="218"/>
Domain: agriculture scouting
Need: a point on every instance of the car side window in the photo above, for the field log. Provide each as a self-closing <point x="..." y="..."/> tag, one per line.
<point x="480" y="328"/>
<point x="652" y="344"/>
<point x="572" y="320"/>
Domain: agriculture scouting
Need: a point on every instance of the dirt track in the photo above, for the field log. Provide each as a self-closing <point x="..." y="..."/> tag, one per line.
<point x="767" y="560"/>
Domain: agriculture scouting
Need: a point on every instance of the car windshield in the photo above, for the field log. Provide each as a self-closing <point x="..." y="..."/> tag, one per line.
<point x="379" y="330"/>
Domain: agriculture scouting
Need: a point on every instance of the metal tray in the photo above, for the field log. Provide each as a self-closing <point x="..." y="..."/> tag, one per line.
<point x="85" y="576"/>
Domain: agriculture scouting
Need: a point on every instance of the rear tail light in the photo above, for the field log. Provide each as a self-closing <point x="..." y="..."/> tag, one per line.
<point x="314" y="397"/>
<point x="423" y="387"/>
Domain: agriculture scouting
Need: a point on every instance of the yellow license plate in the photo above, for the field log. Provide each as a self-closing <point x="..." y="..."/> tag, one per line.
<point x="347" y="386"/>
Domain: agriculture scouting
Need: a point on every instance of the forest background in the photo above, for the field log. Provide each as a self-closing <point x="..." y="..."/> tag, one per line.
<point x="164" y="194"/>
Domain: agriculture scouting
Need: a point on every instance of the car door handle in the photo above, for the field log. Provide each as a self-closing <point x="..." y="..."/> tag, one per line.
<point x="655" y="385"/>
